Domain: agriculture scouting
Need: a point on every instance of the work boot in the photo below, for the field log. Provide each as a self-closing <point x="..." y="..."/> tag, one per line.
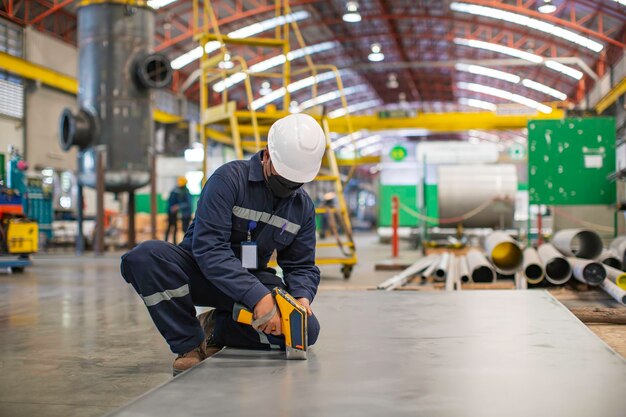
<point x="207" y="321"/>
<point x="188" y="360"/>
<point x="206" y="349"/>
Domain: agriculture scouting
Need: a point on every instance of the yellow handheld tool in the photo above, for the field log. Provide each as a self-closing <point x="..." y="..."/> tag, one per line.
<point x="293" y="320"/>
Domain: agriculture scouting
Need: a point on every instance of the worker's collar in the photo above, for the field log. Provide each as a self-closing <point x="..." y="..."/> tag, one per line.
<point x="256" y="169"/>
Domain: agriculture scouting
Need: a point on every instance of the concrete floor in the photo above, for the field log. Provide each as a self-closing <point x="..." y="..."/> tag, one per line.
<point x="75" y="340"/>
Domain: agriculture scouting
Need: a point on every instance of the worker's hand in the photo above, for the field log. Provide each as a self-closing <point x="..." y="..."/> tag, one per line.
<point x="306" y="304"/>
<point x="263" y="307"/>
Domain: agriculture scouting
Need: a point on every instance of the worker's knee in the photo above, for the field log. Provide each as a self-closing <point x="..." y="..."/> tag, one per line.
<point x="313" y="330"/>
<point x="136" y="262"/>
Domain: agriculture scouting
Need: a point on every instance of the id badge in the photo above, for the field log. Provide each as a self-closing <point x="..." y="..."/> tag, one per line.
<point x="248" y="255"/>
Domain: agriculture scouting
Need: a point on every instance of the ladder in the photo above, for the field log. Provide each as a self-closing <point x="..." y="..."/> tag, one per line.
<point x="242" y="129"/>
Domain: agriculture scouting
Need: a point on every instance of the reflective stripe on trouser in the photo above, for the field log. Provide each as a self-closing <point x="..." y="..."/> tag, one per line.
<point x="171" y="284"/>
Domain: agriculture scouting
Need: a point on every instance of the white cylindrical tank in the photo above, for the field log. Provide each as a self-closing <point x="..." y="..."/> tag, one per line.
<point x="463" y="188"/>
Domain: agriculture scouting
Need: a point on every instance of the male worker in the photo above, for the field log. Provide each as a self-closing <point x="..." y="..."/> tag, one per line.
<point x="178" y="203"/>
<point x="257" y="205"/>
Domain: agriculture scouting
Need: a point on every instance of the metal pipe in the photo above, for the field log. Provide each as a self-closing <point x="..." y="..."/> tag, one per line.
<point x="532" y="268"/>
<point x="99" y="240"/>
<point x="608" y="257"/>
<point x="451" y="273"/>
<point x="504" y="252"/>
<point x="581" y="243"/>
<point x="479" y="267"/>
<point x="618" y="246"/>
<point x="153" y="196"/>
<point x="614" y="291"/>
<point x="131" y="220"/>
<point x="403" y="277"/>
<point x="428" y="272"/>
<point x="557" y="270"/>
<point x="616" y="276"/>
<point x="464" y="274"/>
<point x="587" y="271"/>
<point x="440" y="272"/>
<point x="80" y="238"/>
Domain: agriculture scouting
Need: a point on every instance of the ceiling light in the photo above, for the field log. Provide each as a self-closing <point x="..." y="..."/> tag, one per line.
<point x="265" y="89"/>
<point x="496" y="92"/>
<point x="372" y="149"/>
<point x="392" y="81"/>
<point x="268" y="24"/>
<point x="346" y="140"/>
<point x="544" y="89"/>
<point x="556" y="66"/>
<point x="479" y="104"/>
<point x="473" y="43"/>
<point x="226" y="63"/>
<point x="488" y="72"/>
<point x="333" y="95"/>
<point x="273" y="62"/>
<point x="353" y="108"/>
<point x="352" y="12"/>
<point x="564" y="69"/>
<point x="245" y="32"/>
<point x="530" y="22"/>
<point x="359" y="143"/>
<point x="157" y="4"/>
<point x="547" y="7"/>
<point x="293" y="87"/>
<point x="376" y="55"/>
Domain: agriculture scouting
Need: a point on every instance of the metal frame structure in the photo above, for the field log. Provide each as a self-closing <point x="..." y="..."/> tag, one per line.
<point x="410" y="31"/>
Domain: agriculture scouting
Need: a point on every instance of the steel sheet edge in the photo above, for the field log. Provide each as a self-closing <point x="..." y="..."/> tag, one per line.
<point x="116" y="72"/>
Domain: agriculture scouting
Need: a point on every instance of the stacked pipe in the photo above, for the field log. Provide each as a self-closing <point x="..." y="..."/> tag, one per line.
<point x="576" y="253"/>
<point x="479" y="268"/>
<point x="557" y="270"/>
<point x="404" y="276"/>
<point x="532" y="268"/>
<point x="591" y="263"/>
<point x="504" y="253"/>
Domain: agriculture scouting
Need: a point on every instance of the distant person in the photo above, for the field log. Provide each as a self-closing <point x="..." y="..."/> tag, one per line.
<point x="178" y="203"/>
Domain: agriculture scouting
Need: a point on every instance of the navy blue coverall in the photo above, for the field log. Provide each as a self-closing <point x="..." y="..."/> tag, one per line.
<point x="206" y="270"/>
<point x="179" y="202"/>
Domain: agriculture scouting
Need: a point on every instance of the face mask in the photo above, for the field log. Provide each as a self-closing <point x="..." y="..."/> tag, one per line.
<point x="281" y="187"/>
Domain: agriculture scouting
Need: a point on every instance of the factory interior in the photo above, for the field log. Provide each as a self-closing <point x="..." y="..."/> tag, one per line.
<point x="441" y="183"/>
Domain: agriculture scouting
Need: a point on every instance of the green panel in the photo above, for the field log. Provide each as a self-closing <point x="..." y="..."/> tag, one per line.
<point x="2" y="169"/>
<point x="407" y="194"/>
<point x="142" y="203"/>
<point x="569" y="161"/>
<point x="431" y="196"/>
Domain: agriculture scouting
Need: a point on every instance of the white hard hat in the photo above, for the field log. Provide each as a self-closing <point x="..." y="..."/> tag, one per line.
<point x="296" y="144"/>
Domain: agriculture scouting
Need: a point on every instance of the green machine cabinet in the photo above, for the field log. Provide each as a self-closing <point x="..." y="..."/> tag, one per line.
<point x="569" y="161"/>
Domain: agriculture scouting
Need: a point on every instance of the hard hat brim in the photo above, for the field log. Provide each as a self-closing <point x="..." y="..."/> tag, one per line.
<point x="292" y="174"/>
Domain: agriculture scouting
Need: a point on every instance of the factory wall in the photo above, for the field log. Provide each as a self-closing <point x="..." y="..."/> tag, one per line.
<point x="11" y="133"/>
<point x="44" y="105"/>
